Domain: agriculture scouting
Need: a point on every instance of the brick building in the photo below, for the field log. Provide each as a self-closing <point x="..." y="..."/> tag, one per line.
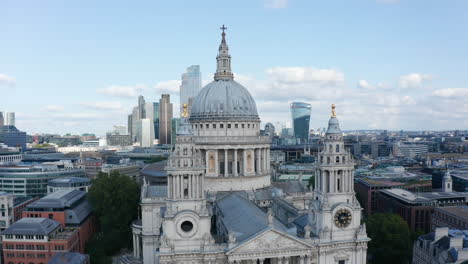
<point x="417" y="208"/>
<point x="68" y="207"/>
<point x="454" y="217"/>
<point x="368" y="190"/>
<point x="37" y="240"/>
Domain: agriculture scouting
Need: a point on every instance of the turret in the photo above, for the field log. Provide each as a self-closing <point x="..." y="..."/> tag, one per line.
<point x="223" y="69"/>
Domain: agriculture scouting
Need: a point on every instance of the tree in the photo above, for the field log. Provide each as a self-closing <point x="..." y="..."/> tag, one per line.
<point x="391" y="239"/>
<point x="115" y="199"/>
<point x="311" y="183"/>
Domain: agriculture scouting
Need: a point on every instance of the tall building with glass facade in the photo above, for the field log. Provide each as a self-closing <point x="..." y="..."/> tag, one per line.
<point x="191" y="85"/>
<point x="165" y="119"/>
<point x="156" y="120"/>
<point x="300" y="113"/>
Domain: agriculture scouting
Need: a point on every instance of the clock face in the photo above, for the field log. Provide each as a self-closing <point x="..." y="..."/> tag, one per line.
<point x="343" y="218"/>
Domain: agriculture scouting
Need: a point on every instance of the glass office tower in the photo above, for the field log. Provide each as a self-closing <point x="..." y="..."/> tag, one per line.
<point x="300" y="113"/>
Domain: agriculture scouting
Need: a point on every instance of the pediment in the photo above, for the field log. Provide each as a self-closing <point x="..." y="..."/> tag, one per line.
<point x="270" y="240"/>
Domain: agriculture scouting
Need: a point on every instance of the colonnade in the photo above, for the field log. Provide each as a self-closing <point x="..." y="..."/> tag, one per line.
<point x="11" y="158"/>
<point x="185" y="186"/>
<point x="239" y="162"/>
<point x="334" y="181"/>
<point x="136" y="246"/>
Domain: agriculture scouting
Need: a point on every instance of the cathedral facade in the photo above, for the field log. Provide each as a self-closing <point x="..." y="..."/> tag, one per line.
<point x="220" y="205"/>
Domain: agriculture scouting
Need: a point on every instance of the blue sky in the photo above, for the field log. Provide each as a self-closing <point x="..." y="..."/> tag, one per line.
<point x="78" y="66"/>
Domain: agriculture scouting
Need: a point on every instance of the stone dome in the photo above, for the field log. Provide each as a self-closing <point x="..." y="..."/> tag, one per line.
<point x="224" y="100"/>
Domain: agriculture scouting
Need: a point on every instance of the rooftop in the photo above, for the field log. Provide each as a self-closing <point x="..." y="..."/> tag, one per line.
<point x="58" y="199"/>
<point x="32" y="226"/>
<point x="70" y="180"/>
<point x="459" y="211"/>
<point x="423" y="197"/>
<point x="69" y="258"/>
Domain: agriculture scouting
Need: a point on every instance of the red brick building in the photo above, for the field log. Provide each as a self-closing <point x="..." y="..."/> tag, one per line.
<point x="37" y="240"/>
<point x="68" y="207"/>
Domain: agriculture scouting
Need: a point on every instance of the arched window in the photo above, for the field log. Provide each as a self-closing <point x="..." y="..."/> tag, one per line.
<point x="337" y="148"/>
<point x="337" y="159"/>
<point x="343" y="159"/>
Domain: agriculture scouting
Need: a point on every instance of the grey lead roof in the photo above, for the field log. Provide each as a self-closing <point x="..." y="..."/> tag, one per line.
<point x="58" y="199"/>
<point x="32" y="226"/>
<point x="242" y="218"/>
<point x="333" y="126"/>
<point x="68" y="258"/>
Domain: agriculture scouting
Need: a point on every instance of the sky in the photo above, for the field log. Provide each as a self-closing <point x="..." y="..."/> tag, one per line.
<point x="79" y="66"/>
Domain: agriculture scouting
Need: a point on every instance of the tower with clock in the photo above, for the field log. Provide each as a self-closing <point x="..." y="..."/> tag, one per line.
<point x="335" y="213"/>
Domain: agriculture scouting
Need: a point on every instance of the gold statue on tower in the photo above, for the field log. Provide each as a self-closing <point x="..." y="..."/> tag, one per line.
<point x="333" y="114"/>
<point x="185" y="111"/>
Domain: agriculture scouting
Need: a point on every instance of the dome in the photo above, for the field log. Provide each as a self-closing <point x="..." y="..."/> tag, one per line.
<point x="333" y="126"/>
<point x="225" y="100"/>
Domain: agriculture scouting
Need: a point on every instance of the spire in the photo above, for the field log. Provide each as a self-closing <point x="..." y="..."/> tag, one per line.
<point x="223" y="69"/>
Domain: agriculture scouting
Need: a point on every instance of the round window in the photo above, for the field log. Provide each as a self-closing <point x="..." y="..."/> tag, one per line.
<point x="186" y="226"/>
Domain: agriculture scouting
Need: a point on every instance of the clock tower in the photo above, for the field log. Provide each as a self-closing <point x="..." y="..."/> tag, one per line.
<point x="335" y="213"/>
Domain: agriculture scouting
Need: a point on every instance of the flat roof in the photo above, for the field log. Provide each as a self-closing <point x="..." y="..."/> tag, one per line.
<point x="459" y="211"/>
<point x="58" y="199"/>
<point x="422" y="197"/>
<point x="32" y="226"/>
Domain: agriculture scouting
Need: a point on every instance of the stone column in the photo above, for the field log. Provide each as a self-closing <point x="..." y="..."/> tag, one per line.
<point x="134" y="246"/>
<point x="217" y="163"/>
<point x="286" y="260"/>
<point x="301" y="260"/>
<point x="244" y="162"/>
<point x="257" y="157"/>
<point x="261" y="261"/>
<point x="138" y="245"/>
<point x="265" y="160"/>
<point x="181" y="186"/>
<point x="268" y="159"/>
<point x="175" y="180"/>
<point x="197" y="186"/>
<point x="307" y="259"/>
<point x="226" y="167"/>
<point x="234" y="166"/>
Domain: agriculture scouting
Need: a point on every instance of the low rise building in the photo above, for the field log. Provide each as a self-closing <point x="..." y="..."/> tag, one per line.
<point x="444" y="245"/>
<point x="92" y="167"/>
<point x="130" y="169"/>
<point x="454" y="217"/>
<point x="19" y="205"/>
<point x="69" y="258"/>
<point x="37" y="240"/>
<point x="31" y="180"/>
<point x="119" y="140"/>
<point x="417" y="208"/>
<point x="68" y="207"/>
<point x="69" y="183"/>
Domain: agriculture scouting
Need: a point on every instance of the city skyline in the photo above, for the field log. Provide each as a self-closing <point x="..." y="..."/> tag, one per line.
<point x="376" y="71"/>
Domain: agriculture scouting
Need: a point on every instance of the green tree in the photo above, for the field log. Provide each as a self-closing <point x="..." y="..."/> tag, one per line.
<point x="311" y="184"/>
<point x="115" y="199"/>
<point x="391" y="239"/>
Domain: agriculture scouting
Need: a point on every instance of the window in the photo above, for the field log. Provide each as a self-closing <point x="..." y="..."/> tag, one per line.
<point x="9" y="246"/>
<point x="221" y="125"/>
<point x="229" y="125"/>
<point x="342" y="262"/>
<point x="328" y="160"/>
<point x="243" y="125"/>
<point x="19" y="246"/>
<point x="19" y="236"/>
<point x="337" y="159"/>
<point x="337" y="148"/>
<point x="40" y="255"/>
<point x="39" y="237"/>
<point x="236" y="125"/>
<point x="248" y="126"/>
<point x="10" y="255"/>
<point x="214" y="125"/>
<point x="59" y="247"/>
<point x="29" y="237"/>
<point x="30" y="247"/>
<point x="207" y="126"/>
<point x="40" y="247"/>
<point x="9" y="236"/>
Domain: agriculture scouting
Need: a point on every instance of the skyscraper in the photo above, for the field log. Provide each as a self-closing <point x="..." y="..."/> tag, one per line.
<point x="191" y="85"/>
<point x="10" y="119"/>
<point x="300" y="113"/>
<point x="156" y="120"/>
<point x="149" y="112"/>
<point x="141" y="107"/>
<point x="2" y="120"/>
<point x="165" y="119"/>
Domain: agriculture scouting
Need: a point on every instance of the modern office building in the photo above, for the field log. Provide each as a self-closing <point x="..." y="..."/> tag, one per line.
<point x="409" y="149"/>
<point x="141" y="107"/>
<point x="69" y="183"/>
<point x="417" y="208"/>
<point x="2" y="119"/>
<point x="156" y="119"/>
<point x="9" y="154"/>
<point x="12" y="137"/>
<point x="10" y="119"/>
<point x="165" y="119"/>
<point x="37" y="240"/>
<point x="444" y="245"/>
<point x="146" y="136"/>
<point x="32" y="180"/>
<point x="68" y="207"/>
<point x="175" y="126"/>
<point x="130" y="169"/>
<point x="300" y="113"/>
<point x="191" y="85"/>
<point x="120" y="130"/>
<point x="118" y="140"/>
<point x="130" y="124"/>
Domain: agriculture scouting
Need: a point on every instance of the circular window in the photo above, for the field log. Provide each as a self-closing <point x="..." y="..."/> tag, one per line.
<point x="186" y="226"/>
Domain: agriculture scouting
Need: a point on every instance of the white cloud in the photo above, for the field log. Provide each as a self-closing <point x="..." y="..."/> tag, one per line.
<point x="413" y="80"/>
<point x="170" y="87"/>
<point x="294" y="75"/>
<point x="461" y="93"/>
<point x="363" y="84"/>
<point x="52" y="108"/>
<point x="123" y="91"/>
<point x="105" y="105"/>
<point x="7" y="80"/>
<point x="275" y="4"/>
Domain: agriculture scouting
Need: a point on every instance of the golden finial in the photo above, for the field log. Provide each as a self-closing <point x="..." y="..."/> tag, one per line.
<point x="333" y="114"/>
<point x="185" y="111"/>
